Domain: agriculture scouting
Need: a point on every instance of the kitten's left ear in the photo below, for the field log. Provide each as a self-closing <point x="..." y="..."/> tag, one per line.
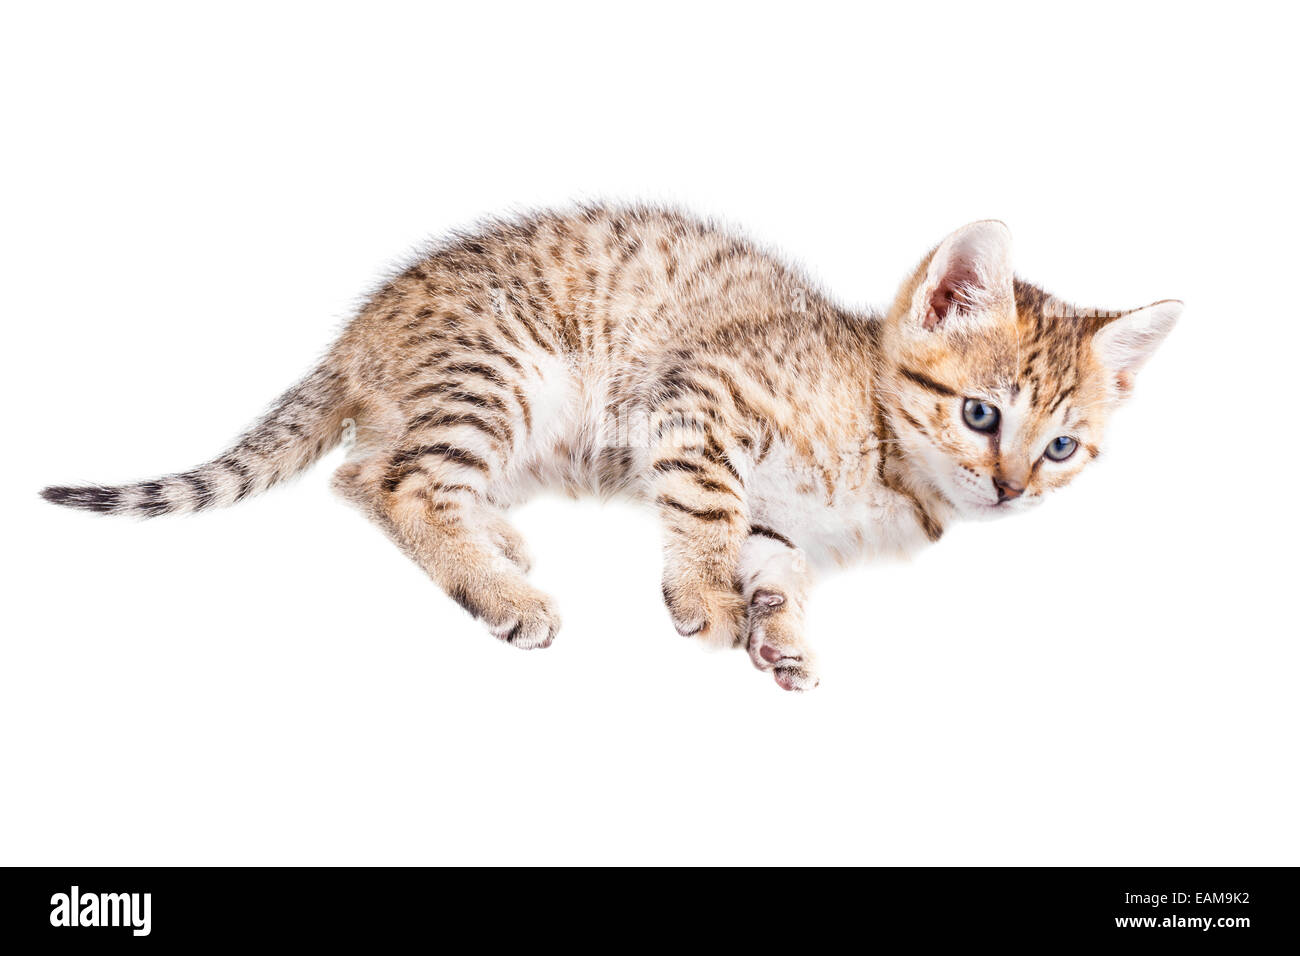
<point x="1123" y="345"/>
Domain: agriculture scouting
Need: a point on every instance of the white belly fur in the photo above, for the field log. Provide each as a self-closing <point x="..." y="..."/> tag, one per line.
<point x="859" y="520"/>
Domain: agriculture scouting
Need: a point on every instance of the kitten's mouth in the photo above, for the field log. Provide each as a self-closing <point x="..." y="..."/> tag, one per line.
<point x="971" y="501"/>
<point x="969" y="496"/>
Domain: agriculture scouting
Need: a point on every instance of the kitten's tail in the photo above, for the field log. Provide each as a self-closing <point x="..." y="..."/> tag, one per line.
<point x="303" y="425"/>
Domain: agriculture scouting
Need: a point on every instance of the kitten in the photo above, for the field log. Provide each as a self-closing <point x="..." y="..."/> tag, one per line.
<point x="640" y="351"/>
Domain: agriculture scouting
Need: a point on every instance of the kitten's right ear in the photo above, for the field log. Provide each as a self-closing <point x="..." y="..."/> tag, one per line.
<point x="1124" y="344"/>
<point x="967" y="278"/>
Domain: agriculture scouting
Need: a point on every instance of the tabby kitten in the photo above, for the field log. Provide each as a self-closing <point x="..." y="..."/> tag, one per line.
<point x="640" y="351"/>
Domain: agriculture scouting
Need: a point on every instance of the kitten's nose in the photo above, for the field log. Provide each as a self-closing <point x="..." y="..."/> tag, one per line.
<point x="1007" y="488"/>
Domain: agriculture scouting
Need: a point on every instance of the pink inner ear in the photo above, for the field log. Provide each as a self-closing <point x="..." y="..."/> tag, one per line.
<point x="948" y="294"/>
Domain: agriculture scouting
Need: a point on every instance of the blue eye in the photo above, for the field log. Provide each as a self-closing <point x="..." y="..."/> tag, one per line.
<point x="981" y="416"/>
<point x="1061" y="448"/>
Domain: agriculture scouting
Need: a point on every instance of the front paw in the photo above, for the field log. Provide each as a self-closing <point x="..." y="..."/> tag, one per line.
<point x="525" y="618"/>
<point x="797" y="676"/>
<point x="775" y="640"/>
<point x="713" y="615"/>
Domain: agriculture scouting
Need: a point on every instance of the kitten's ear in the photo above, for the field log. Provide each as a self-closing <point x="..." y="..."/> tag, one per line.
<point x="1123" y="345"/>
<point x="968" y="276"/>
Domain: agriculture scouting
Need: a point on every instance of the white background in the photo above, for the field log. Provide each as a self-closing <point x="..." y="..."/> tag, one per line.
<point x="194" y="202"/>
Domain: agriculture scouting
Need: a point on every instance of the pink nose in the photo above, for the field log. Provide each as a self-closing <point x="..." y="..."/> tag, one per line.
<point x="1008" y="489"/>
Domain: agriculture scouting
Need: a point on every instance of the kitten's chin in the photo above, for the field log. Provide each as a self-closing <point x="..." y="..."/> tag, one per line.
<point x="984" y="511"/>
<point x="975" y="509"/>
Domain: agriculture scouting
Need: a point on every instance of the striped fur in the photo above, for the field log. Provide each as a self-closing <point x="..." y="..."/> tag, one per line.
<point x="640" y="351"/>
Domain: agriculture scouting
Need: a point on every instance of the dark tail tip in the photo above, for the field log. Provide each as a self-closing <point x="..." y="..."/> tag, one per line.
<point x="90" y="498"/>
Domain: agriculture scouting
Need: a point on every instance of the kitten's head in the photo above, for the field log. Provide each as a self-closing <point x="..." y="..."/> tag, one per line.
<point x="998" y="392"/>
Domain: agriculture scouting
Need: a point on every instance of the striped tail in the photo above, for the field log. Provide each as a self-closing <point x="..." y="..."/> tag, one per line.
<point x="302" y="426"/>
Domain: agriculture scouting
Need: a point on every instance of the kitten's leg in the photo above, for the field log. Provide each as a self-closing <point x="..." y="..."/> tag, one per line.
<point x="702" y="505"/>
<point x="432" y="505"/>
<point x="505" y="536"/>
<point x="775" y="580"/>
<point x="348" y="482"/>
